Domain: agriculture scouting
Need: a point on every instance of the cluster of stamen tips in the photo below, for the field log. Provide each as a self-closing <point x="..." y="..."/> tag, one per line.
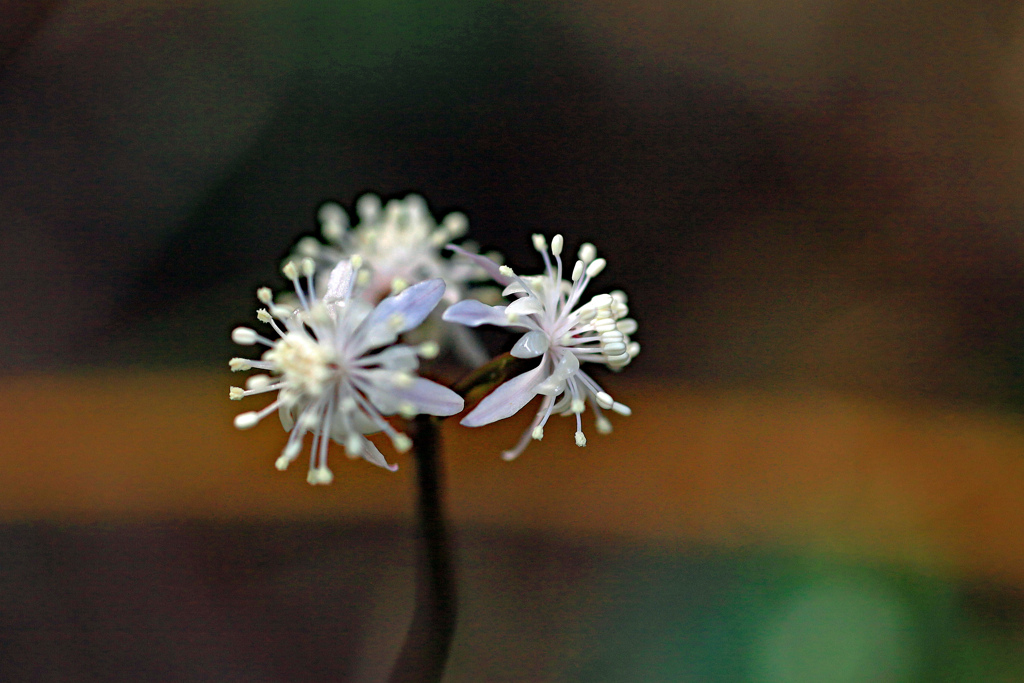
<point x="311" y="375"/>
<point x="398" y="239"/>
<point x="605" y="315"/>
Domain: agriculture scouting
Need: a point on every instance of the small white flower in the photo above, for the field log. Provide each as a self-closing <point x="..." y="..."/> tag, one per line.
<point x="558" y="331"/>
<point x="330" y="379"/>
<point x="400" y="244"/>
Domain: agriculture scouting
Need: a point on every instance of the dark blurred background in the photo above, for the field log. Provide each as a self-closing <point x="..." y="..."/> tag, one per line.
<point x="813" y="193"/>
<point x="796" y="196"/>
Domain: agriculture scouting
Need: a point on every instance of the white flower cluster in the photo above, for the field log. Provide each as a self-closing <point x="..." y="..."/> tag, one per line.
<point x="330" y="376"/>
<point x="561" y="334"/>
<point x="338" y="371"/>
<point x="400" y="244"/>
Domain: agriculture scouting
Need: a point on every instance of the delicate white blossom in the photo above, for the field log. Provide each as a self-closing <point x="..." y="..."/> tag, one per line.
<point x="558" y="331"/>
<point x="330" y="376"/>
<point x="400" y="244"/>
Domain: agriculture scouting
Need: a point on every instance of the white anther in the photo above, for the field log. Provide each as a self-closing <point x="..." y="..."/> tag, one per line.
<point x="587" y="252"/>
<point x="595" y="267"/>
<point x="363" y="278"/>
<point x="307" y="246"/>
<point x="257" y="382"/>
<point x="408" y="410"/>
<point x="428" y="350"/>
<point x="265" y="295"/>
<point x="354" y="445"/>
<point x="556" y="245"/>
<point x="356" y="262"/>
<point x="308" y="267"/>
<point x="506" y="271"/>
<point x="280" y="312"/>
<point x="578" y="406"/>
<point x="538" y="433"/>
<point x="626" y="326"/>
<point x="347" y="404"/>
<point x="621" y="409"/>
<point x="263" y="315"/>
<point x="401" y="442"/>
<point x="620" y="296"/>
<point x="309" y="420"/>
<point x="246" y="336"/>
<point x="613" y="349"/>
<point x="581" y="439"/>
<point x="246" y="420"/>
<point x="236" y="393"/>
<point x="332" y="221"/>
<point x="604" y="425"/>
<point x="457" y="224"/>
<point x="320" y="475"/>
<point x="398" y="284"/>
<point x="290" y="271"/>
<point x="539" y="243"/>
<point x="367" y="207"/>
<point x="237" y="364"/>
<point x="577" y="270"/>
<point x="604" y="400"/>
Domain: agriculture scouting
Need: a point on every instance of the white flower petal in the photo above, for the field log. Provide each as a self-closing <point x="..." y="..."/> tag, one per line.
<point x="398" y="314"/>
<point x="339" y="282"/>
<point x="472" y="313"/>
<point x="567" y="366"/>
<point x="506" y="400"/>
<point x="532" y="344"/>
<point x="427" y="397"/>
<point x="370" y="453"/>
<point x="527" y="305"/>
<point x="395" y="358"/>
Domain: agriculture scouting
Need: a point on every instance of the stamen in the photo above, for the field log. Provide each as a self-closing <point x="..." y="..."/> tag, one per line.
<point x="247" y="420"/>
<point x="581" y="439"/>
<point x="245" y="336"/>
<point x="265" y="295"/>
<point x="587" y="252"/>
<point x="237" y="364"/>
<point x="556" y="245"/>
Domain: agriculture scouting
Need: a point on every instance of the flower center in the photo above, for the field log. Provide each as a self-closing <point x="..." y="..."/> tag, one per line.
<point x="305" y="364"/>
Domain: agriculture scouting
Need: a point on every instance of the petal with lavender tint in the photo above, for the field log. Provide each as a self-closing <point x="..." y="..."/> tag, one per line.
<point x="532" y="344"/>
<point x="425" y="396"/>
<point x="370" y="453"/>
<point x="398" y="314"/>
<point x="473" y="313"/>
<point x="396" y="358"/>
<point x="506" y="400"/>
<point x="487" y="264"/>
<point x="567" y="366"/>
<point x="527" y="305"/>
